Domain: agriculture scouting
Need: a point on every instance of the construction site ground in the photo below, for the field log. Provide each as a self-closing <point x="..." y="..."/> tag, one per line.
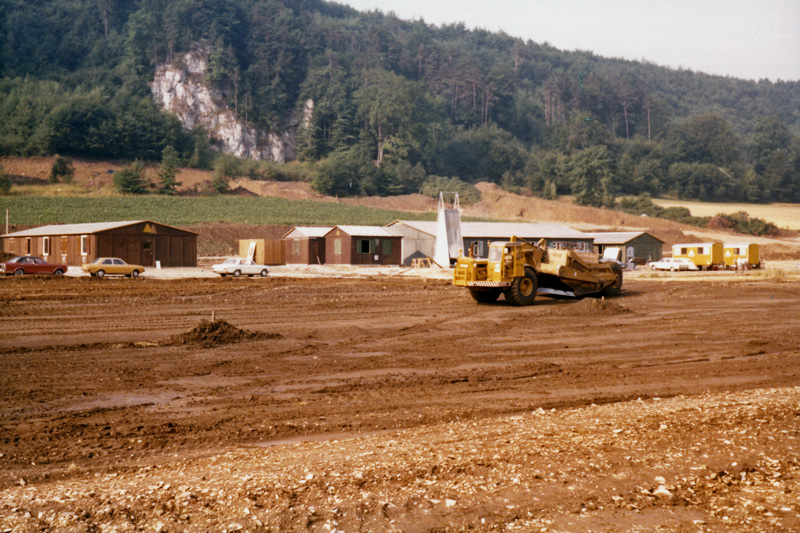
<point x="389" y="400"/>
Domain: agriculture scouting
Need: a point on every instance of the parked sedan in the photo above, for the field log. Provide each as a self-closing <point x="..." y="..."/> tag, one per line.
<point x="673" y="264"/>
<point x="238" y="266"/>
<point x="112" y="266"/>
<point x="31" y="265"/>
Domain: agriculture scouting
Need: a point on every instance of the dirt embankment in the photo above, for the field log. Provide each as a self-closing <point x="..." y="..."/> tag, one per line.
<point x="385" y="403"/>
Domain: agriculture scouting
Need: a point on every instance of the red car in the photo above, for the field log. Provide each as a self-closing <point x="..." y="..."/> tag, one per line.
<point x="30" y="265"/>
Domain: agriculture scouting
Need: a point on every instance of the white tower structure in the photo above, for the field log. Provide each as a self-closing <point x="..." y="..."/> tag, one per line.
<point x="448" y="231"/>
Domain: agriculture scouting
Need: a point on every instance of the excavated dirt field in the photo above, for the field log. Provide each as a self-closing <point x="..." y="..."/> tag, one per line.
<point x="392" y="403"/>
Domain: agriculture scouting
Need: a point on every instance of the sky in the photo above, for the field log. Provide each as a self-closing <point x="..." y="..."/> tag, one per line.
<point x="749" y="39"/>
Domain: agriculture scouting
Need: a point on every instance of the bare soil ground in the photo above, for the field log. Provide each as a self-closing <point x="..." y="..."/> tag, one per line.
<point x="386" y="403"/>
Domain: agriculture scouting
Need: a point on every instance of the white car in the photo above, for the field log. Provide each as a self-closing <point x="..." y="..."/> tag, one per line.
<point x="673" y="264"/>
<point x="238" y="266"/>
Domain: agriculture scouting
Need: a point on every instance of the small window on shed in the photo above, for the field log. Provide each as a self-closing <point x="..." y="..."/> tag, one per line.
<point x="45" y="245"/>
<point x="296" y="246"/>
<point x="84" y="245"/>
<point x="364" y="246"/>
<point x="337" y="246"/>
<point x="684" y="251"/>
<point x="28" y="246"/>
<point x="387" y="246"/>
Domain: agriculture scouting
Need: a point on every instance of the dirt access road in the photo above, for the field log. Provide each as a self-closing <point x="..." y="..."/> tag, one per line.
<point x="385" y="403"/>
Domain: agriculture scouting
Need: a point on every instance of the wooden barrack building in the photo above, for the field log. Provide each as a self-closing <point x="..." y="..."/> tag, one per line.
<point x="142" y="242"/>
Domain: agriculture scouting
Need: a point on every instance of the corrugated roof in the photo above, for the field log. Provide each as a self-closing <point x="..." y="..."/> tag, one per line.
<point x="504" y="230"/>
<point x="618" y="237"/>
<point x="81" y="229"/>
<point x="308" y="231"/>
<point x="368" y="231"/>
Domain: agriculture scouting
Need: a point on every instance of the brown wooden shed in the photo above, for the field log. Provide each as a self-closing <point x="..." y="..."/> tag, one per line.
<point x="363" y="245"/>
<point x="305" y="245"/>
<point x="142" y="242"/>
<point x="263" y="251"/>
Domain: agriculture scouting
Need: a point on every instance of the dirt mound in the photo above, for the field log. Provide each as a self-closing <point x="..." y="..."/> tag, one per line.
<point x="209" y="334"/>
<point x="590" y="307"/>
<point x="780" y="252"/>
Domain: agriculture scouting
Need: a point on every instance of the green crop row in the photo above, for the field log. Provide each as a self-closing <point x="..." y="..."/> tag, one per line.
<point x="182" y="211"/>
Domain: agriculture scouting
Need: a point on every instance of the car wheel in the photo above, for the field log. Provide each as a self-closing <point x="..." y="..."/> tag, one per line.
<point x="134" y="273"/>
<point x="652" y="267"/>
<point x="672" y="269"/>
<point x="264" y="273"/>
<point x="101" y="273"/>
<point x="58" y="272"/>
<point x="237" y="273"/>
<point x="19" y="272"/>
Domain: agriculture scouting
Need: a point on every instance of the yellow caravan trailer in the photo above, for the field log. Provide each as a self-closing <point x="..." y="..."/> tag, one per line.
<point x="751" y="252"/>
<point x="706" y="255"/>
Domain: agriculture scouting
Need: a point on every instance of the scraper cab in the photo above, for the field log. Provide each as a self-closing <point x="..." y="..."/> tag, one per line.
<point x="520" y="269"/>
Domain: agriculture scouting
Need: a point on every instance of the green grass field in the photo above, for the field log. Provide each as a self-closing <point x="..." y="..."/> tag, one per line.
<point x="187" y="211"/>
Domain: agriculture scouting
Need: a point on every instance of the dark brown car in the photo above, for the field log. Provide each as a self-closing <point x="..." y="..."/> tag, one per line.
<point x="30" y="265"/>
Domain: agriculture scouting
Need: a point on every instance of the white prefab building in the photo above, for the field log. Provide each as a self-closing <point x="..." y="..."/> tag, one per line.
<point x="419" y="237"/>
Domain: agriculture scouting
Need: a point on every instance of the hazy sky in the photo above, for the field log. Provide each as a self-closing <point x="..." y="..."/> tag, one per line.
<point x="751" y="39"/>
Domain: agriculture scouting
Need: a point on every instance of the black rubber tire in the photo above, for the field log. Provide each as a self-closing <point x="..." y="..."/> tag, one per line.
<point x="58" y="272"/>
<point x="672" y="269"/>
<point x="134" y="273"/>
<point x="485" y="296"/>
<point x="19" y="272"/>
<point x="523" y="289"/>
<point x="615" y="288"/>
<point x="100" y="273"/>
<point x="264" y="273"/>
<point x="237" y="273"/>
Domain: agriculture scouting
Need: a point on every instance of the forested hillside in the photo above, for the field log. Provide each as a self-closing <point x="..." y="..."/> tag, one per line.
<point x="396" y="104"/>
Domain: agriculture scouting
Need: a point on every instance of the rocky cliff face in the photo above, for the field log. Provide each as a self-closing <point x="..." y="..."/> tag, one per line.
<point x="180" y="89"/>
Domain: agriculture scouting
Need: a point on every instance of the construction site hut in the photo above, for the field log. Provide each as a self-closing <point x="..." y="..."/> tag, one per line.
<point x="750" y="252"/>
<point x="362" y="245"/>
<point x="706" y="255"/>
<point x="141" y="242"/>
<point x="638" y="246"/>
<point x="419" y="237"/>
<point x="305" y="245"/>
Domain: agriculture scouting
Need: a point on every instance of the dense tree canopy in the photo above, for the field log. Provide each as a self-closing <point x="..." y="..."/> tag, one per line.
<point x="378" y="105"/>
